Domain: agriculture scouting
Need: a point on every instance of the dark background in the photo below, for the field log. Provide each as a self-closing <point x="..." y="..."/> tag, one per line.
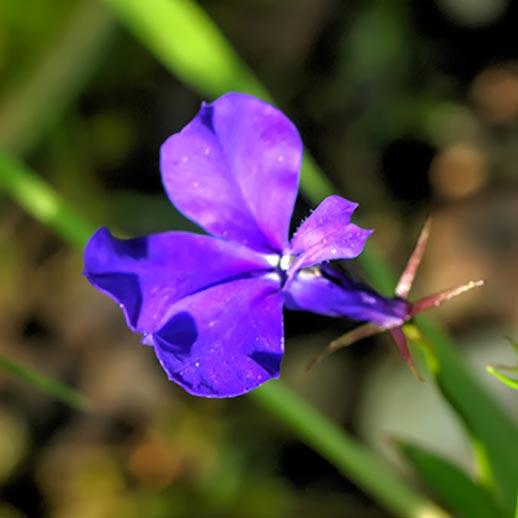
<point x="410" y="107"/>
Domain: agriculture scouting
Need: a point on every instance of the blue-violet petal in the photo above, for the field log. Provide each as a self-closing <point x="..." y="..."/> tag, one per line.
<point x="146" y="275"/>
<point x="224" y="341"/>
<point x="234" y="170"/>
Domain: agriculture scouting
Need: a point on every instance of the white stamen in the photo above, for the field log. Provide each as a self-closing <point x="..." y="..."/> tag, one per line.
<point x="309" y="273"/>
<point x="273" y="260"/>
<point x="274" y="276"/>
<point x="286" y="261"/>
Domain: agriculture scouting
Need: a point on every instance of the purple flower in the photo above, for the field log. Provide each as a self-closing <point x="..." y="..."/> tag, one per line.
<point x="211" y="305"/>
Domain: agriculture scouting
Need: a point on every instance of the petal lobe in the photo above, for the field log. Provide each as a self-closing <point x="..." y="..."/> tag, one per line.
<point x="234" y="170"/>
<point x="147" y="275"/>
<point x="224" y="341"/>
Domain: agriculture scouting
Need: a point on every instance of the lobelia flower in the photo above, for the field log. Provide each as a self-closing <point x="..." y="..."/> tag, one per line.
<point x="211" y="305"/>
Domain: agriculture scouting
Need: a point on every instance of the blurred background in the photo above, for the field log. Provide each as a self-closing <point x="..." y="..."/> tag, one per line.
<point x="410" y="107"/>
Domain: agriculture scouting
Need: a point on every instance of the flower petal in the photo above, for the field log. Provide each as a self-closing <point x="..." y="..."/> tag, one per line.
<point x="147" y="275"/>
<point x="328" y="234"/>
<point x="329" y="292"/>
<point x="224" y="341"/>
<point x="234" y="170"/>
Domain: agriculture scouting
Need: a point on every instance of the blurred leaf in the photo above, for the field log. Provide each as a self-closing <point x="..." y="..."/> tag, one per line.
<point x="453" y="487"/>
<point x="14" y="444"/>
<point x="350" y="457"/>
<point x="35" y="196"/>
<point x="46" y="384"/>
<point x="184" y="38"/>
<point x="39" y="97"/>
<point x="506" y="380"/>
<point x="494" y="431"/>
<point x="495" y="370"/>
<point x="154" y="212"/>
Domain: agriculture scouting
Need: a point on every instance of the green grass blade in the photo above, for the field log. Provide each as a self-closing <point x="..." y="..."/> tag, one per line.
<point x="49" y="385"/>
<point x="496" y="370"/>
<point x="503" y="378"/>
<point x="485" y="420"/>
<point x="355" y="461"/>
<point x="37" y="198"/>
<point x="372" y="474"/>
<point x="40" y="96"/>
<point x="184" y="39"/>
<point x="451" y="485"/>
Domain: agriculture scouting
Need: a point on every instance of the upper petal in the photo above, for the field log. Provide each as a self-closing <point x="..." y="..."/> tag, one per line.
<point x="224" y="341"/>
<point x="147" y="275"/>
<point x="234" y="170"/>
<point x="329" y="292"/>
<point x="328" y="234"/>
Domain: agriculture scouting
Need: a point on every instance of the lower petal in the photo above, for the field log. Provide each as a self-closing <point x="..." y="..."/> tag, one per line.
<point x="327" y="291"/>
<point x="224" y="341"/>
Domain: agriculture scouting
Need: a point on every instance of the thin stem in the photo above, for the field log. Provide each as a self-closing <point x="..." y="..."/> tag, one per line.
<point x="353" y="336"/>
<point x="49" y="385"/>
<point x="353" y="459"/>
<point x="40" y="200"/>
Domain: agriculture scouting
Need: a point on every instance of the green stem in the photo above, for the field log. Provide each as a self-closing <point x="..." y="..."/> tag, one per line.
<point x="40" y="200"/>
<point x="503" y="378"/>
<point x="48" y="385"/>
<point x="353" y="459"/>
<point x="485" y="421"/>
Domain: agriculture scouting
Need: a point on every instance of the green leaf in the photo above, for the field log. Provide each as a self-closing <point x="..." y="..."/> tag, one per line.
<point x="40" y="200"/>
<point x="496" y="434"/>
<point x="186" y="40"/>
<point x="451" y="485"/>
<point x="496" y="370"/>
<point x="40" y="96"/>
<point x="49" y="385"/>
<point x="352" y="458"/>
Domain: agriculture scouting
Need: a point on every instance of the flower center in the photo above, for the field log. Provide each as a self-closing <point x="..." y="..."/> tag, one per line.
<point x="280" y="265"/>
<point x="285" y="262"/>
